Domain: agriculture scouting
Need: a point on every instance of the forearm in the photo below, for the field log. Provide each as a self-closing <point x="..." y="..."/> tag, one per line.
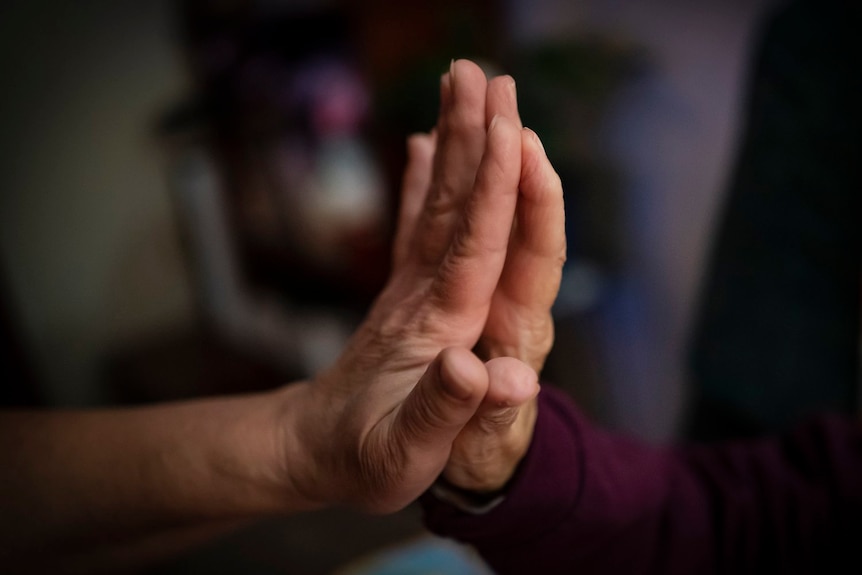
<point x="76" y="476"/>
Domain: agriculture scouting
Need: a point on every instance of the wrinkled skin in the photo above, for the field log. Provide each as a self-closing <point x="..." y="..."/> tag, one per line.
<point x="441" y="376"/>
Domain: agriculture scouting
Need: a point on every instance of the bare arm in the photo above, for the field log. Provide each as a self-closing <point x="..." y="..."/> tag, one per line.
<point x="373" y="431"/>
<point x="76" y="477"/>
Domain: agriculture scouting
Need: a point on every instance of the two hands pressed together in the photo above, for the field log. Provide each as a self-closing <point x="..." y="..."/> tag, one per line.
<point x="478" y="257"/>
<point x="440" y="379"/>
<point x="439" y="384"/>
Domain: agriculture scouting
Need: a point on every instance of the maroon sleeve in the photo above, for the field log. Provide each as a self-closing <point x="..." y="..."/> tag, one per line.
<point x="587" y="501"/>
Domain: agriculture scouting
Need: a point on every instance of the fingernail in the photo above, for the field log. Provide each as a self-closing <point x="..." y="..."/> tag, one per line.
<point x="452" y="75"/>
<point x="493" y="123"/>
<point x="536" y="139"/>
<point x="513" y="89"/>
<point x="446" y="87"/>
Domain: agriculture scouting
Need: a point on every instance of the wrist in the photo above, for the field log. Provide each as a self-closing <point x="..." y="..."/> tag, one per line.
<point x="245" y="456"/>
<point x="296" y="461"/>
<point x="249" y="451"/>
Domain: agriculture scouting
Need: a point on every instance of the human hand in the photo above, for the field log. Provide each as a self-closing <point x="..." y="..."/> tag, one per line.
<point x="365" y="432"/>
<point x="487" y="451"/>
<point x="519" y="322"/>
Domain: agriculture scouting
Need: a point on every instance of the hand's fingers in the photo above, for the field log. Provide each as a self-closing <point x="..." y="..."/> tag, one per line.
<point x="502" y="100"/>
<point x="414" y="190"/>
<point x="537" y="250"/>
<point x="471" y="268"/>
<point x="461" y="142"/>
<point x="486" y="453"/>
<point x="443" y="401"/>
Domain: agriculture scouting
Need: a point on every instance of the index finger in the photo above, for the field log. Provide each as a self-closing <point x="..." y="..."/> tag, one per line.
<point x="460" y="145"/>
<point x="472" y="265"/>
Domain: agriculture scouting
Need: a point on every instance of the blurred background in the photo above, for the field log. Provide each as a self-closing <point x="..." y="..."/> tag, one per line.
<point x="197" y="197"/>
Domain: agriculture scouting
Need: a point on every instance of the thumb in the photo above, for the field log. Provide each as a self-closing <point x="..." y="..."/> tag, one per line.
<point x="486" y="453"/>
<point x="512" y="384"/>
<point x="443" y="401"/>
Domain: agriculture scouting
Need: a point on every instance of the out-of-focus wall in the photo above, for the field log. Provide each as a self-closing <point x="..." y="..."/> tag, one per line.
<point x="87" y="236"/>
<point x="672" y="133"/>
<point x="87" y="232"/>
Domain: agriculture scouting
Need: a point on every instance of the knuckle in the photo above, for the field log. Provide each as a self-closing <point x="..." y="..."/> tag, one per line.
<point x="431" y="415"/>
<point x="477" y="474"/>
<point x="562" y="256"/>
<point x="464" y="123"/>
<point x="443" y="198"/>
<point x="501" y="419"/>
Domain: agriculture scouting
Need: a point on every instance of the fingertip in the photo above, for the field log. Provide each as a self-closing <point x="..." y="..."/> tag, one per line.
<point x="511" y="382"/>
<point x="537" y="173"/>
<point x="462" y="67"/>
<point x="462" y="374"/>
<point x="533" y="151"/>
<point x="504" y="82"/>
<point x="534" y="140"/>
<point x="511" y="85"/>
<point x="468" y="86"/>
<point x="446" y="82"/>
<point x="443" y="401"/>
<point x="502" y="98"/>
<point x="419" y="143"/>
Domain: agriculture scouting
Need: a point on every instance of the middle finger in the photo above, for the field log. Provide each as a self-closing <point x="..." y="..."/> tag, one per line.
<point x="461" y="143"/>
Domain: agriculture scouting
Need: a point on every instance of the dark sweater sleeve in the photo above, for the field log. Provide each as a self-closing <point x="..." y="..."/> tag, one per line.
<point x="587" y="501"/>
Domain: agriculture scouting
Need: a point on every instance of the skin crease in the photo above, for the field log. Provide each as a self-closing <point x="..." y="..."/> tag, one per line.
<point x="440" y="378"/>
<point x="528" y="245"/>
<point x="519" y="321"/>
